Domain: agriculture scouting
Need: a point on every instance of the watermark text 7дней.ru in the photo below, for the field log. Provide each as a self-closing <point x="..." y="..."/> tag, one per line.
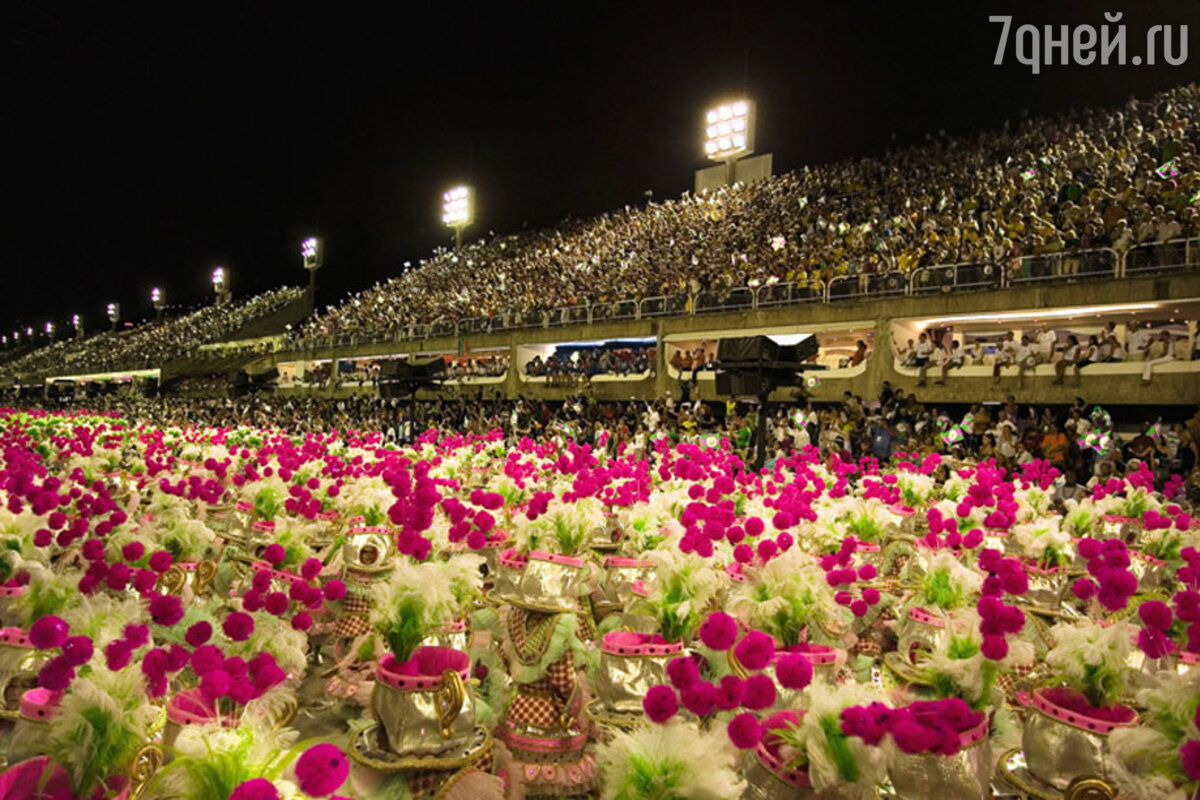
<point x="1050" y="45"/>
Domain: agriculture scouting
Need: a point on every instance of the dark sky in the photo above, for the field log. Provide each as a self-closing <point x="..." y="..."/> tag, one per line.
<point x="147" y="144"/>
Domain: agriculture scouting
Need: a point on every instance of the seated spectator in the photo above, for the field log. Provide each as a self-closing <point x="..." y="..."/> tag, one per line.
<point x="1164" y="344"/>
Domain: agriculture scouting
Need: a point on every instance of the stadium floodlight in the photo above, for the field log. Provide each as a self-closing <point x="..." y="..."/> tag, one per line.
<point x="50" y="329"/>
<point x="729" y="130"/>
<point x="114" y="314"/>
<point x="458" y="210"/>
<point x="77" y="324"/>
<point x="312" y="250"/>
<point x="220" y="280"/>
<point x="159" y="301"/>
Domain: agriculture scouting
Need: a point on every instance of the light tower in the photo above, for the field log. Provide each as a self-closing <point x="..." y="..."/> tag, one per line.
<point x="77" y="324"/>
<point x="114" y="314"/>
<point x="312" y="250"/>
<point x="50" y="331"/>
<point x="156" y="297"/>
<point x="458" y="210"/>
<point x="728" y="137"/>
<point x="221" y="285"/>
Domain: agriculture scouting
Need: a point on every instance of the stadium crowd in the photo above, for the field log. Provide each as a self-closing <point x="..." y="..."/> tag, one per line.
<point x="1079" y="440"/>
<point x="1022" y="200"/>
<point x="151" y="344"/>
<point x="590" y="363"/>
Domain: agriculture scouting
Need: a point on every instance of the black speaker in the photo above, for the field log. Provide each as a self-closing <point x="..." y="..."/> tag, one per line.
<point x="402" y="378"/>
<point x="744" y="384"/>
<point x="762" y="352"/>
<point x="745" y="349"/>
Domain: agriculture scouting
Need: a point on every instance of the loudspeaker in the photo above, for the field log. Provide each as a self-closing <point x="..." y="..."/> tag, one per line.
<point x="746" y="348"/>
<point x="744" y="384"/>
<point x="402" y="379"/>
<point x="761" y="351"/>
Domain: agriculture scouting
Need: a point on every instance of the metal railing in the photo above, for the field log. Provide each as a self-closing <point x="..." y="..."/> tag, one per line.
<point x="1093" y="264"/>
<point x="1157" y="257"/>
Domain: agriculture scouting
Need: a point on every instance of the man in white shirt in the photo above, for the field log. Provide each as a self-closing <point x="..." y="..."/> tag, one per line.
<point x="1006" y="355"/>
<point x="945" y="361"/>
<point x="921" y="356"/>
<point x="1167" y="343"/>
<point x="1137" y="341"/>
<point x="1047" y="341"/>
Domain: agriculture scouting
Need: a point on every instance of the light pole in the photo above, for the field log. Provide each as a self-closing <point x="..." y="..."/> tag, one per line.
<point x="312" y="250"/>
<point x="458" y="210"/>
<point x="114" y="314"/>
<point x="156" y="297"/>
<point x="729" y="134"/>
<point x="221" y="285"/>
<point x="77" y="323"/>
<point x="50" y="331"/>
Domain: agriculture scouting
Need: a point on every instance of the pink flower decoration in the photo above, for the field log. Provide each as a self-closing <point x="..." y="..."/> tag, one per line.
<point x="755" y="650"/>
<point x="166" y="610"/>
<point x="161" y="561"/>
<point x="198" y="633"/>
<point x="759" y="692"/>
<point x="730" y="692"/>
<point x="255" y="789"/>
<point x="321" y="770"/>
<point x="745" y="731"/>
<point x="48" y="632"/>
<point x="699" y="698"/>
<point x="274" y="553"/>
<point x="1189" y="759"/>
<point x="994" y="647"/>
<point x="238" y="626"/>
<point x="719" y="631"/>
<point x="660" y="704"/>
<point x="56" y="674"/>
<point x="794" y="671"/>
<point x="682" y="672"/>
<point x="1156" y="614"/>
<point x="78" y="650"/>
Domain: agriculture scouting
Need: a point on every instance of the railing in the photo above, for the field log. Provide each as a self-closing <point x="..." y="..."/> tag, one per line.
<point x="1157" y="257"/>
<point x="1099" y="263"/>
<point x="1076" y="264"/>
<point x="945" y="278"/>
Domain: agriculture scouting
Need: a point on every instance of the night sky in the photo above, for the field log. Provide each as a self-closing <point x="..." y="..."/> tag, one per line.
<point x="148" y="144"/>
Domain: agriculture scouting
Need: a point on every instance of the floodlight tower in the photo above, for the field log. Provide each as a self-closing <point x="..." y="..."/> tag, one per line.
<point x="458" y="210"/>
<point x="220" y="282"/>
<point x="312" y="250"/>
<point x="50" y="331"/>
<point x="729" y="134"/>
<point x="77" y="324"/>
<point x="156" y="297"/>
<point x="114" y="314"/>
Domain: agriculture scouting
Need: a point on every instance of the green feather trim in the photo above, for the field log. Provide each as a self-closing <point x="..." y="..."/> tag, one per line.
<point x="485" y="618"/>
<point x="562" y="638"/>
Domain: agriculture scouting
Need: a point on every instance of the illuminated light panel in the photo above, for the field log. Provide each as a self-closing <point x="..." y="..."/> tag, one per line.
<point x="456" y="206"/>
<point x="729" y="130"/>
<point x="1057" y="313"/>
<point x="312" y="250"/>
